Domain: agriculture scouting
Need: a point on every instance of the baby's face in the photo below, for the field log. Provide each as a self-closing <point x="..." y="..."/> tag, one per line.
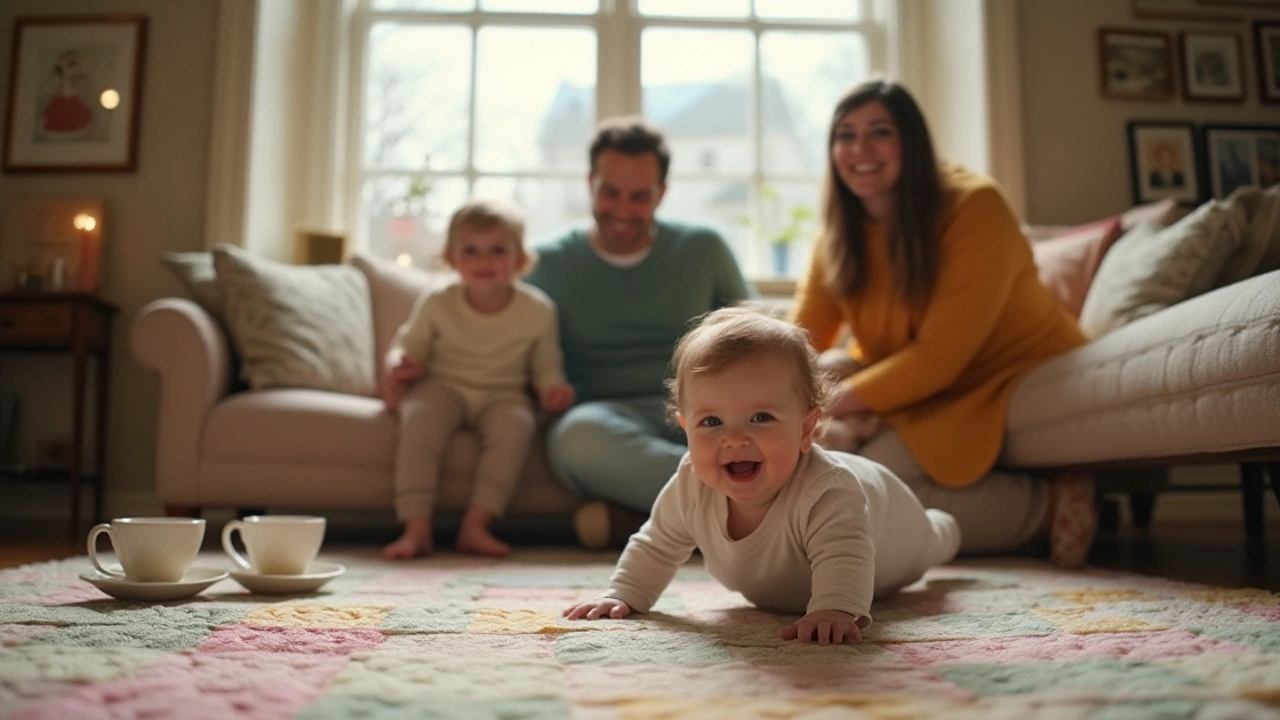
<point x="747" y="425"/>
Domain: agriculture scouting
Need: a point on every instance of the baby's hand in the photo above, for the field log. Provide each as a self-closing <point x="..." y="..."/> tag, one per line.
<point x="598" y="608"/>
<point x="557" y="398"/>
<point x="401" y="373"/>
<point x="826" y="626"/>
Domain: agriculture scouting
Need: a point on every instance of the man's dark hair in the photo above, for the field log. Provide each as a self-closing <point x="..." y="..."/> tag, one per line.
<point x="631" y="135"/>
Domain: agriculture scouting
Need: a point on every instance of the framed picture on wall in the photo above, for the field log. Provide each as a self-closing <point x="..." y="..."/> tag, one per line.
<point x="1241" y="156"/>
<point x="1135" y="64"/>
<point x="1212" y="69"/>
<point x="1164" y="161"/>
<point x="1267" y="36"/>
<point x="75" y="91"/>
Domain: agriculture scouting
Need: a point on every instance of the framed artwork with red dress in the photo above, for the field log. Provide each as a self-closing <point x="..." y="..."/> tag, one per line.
<point x="75" y="91"/>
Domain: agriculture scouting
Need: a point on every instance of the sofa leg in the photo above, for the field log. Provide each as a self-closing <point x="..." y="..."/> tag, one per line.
<point x="187" y="511"/>
<point x="1273" y="476"/>
<point x="1251" y="477"/>
<point x="1142" y="506"/>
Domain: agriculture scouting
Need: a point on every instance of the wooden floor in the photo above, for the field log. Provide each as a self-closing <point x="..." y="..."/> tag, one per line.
<point x="1210" y="552"/>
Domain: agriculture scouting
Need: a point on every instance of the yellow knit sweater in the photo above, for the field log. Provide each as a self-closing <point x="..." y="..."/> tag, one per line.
<point x="942" y="375"/>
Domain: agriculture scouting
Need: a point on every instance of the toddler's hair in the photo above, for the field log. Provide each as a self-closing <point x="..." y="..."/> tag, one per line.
<point x="485" y="214"/>
<point x="732" y="334"/>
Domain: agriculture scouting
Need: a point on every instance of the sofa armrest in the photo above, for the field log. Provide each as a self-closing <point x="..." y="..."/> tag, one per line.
<point x="182" y="342"/>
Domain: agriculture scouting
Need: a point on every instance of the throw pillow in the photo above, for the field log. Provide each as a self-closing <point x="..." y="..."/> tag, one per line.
<point x="1068" y="262"/>
<point x="298" y="326"/>
<point x="1150" y="268"/>
<point x="195" y="270"/>
<point x="1161" y="212"/>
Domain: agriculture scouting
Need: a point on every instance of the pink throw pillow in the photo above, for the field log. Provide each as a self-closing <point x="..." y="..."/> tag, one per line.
<point x="1068" y="262"/>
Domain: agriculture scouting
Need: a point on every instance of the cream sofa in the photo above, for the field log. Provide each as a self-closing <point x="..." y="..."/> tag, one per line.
<point x="1195" y="382"/>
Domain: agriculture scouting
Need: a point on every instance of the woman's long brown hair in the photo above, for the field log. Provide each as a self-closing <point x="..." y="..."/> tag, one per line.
<point x="917" y="209"/>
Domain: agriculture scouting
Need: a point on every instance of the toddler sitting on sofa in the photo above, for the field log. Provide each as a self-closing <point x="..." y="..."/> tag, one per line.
<point x="466" y="356"/>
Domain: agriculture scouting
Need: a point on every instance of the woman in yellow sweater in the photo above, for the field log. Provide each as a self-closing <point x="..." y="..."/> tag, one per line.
<point x="926" y="267"/>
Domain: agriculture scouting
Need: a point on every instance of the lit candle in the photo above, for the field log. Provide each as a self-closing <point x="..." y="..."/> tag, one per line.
<point x="87" y="277"/>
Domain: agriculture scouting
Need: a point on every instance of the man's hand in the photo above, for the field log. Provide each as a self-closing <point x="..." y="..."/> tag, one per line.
<point x="827" y="627"/>
<point x="402" y="372"/>
<point x="557" y="398"/>
<point x="598" y="608"/>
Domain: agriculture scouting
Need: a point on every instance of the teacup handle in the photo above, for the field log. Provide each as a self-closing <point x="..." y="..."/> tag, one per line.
<point x="93" y="550"/>
<point x="230" y="549"/>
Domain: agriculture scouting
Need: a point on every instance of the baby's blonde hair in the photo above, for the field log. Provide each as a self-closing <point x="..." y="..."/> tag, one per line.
<point x="485" y="214"/>
<point x="733" y="334"/>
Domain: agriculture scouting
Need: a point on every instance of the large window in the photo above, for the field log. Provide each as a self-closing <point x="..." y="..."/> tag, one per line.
<point x="499" y="97"/>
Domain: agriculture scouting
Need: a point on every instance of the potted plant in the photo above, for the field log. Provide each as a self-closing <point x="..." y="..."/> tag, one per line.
<point x="779" y="226"/>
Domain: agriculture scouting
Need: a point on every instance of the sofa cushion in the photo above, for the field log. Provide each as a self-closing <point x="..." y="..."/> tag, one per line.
<point x="1067" y="262"/>
<point x="339" y="451"/>
<point x="1202" y="377"/>
<point x="297" y="326"/>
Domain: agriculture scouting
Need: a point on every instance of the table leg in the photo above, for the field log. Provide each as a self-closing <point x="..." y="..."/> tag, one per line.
<point x="80" y="366"/>
<point x="101" y="381"/>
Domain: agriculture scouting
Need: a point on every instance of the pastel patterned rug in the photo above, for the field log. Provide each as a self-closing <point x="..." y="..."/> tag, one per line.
<point x="455" y="637"/>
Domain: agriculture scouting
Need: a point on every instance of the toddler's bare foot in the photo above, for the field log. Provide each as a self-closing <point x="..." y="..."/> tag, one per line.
<point x="480" y="541"/>
<point x="416" y="540"/>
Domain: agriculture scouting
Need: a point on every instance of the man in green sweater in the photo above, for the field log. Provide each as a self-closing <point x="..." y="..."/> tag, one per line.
<point x="625" y="289"/>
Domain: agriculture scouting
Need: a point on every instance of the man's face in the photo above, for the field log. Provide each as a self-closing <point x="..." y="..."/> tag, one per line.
<point x="625" y="192"/>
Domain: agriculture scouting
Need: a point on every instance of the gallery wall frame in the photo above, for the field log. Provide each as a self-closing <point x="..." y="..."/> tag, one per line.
<point x="75" y="93"/>
<point x="1238" y="156"/>
<point x="1135" y="64"/>
<point x="1266" y="35"/>
<point x="1212" y="67"/>
<point x="1164" y="161"/>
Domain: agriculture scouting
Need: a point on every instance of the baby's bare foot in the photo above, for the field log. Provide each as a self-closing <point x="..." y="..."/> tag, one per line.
<point x="408" y="545"/>
<point x="480" y="541"/>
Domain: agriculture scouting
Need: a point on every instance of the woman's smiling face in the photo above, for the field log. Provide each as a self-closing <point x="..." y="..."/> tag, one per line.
<point x="866" y="152"/>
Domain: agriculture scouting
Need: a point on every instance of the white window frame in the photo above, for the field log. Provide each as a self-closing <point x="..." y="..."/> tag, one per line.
<point x="619" y="27"/>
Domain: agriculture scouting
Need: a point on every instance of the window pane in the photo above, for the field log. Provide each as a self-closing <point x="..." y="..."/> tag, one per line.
<point x="695" y="8"/>
<point x="550" y="205"/>
<point x="431" y="5"/>
<point x="535" y="98"/>
<point x="809" y="9"/>
<point x="804" y="75"/>
<point x="580" y="7"/>
<point x="416" y="97"/>
<point x="781" y="227"/>
<point x="401" y="223"/>
<point x="698" y="90"/>
<point x="721" y="204"/>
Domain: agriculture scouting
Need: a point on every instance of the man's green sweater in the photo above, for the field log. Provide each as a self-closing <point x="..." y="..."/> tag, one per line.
<point x="619" y="325"/>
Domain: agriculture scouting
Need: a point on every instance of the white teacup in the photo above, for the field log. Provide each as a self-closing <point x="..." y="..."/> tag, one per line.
<point x="150" y="549"/>
<point x="277" y="544"/>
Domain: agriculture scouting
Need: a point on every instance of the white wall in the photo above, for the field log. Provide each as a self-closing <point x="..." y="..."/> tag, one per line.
<point x="1077" y="156"/>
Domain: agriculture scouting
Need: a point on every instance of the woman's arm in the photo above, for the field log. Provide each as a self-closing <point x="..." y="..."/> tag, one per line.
<point x="979" y="266"/>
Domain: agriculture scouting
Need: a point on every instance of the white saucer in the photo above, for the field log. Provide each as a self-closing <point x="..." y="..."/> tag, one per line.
<point x="195" y="580"/>
<point x="317" y="574"/>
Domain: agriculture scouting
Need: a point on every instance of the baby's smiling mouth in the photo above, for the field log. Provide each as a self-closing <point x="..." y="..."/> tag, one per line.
<point x="742" y="469"/>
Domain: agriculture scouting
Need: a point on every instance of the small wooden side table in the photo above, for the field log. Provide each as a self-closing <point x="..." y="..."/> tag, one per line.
<point x="80" y="324"/>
